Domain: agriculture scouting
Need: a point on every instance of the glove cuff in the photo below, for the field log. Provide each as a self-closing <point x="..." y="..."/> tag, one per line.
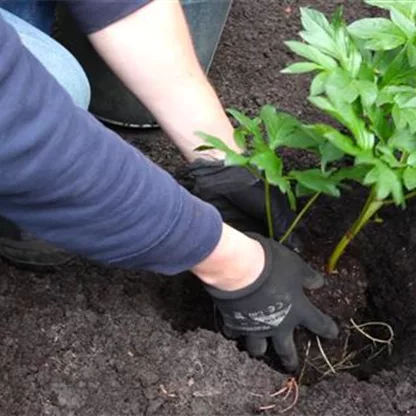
<point x="257" y="284"/>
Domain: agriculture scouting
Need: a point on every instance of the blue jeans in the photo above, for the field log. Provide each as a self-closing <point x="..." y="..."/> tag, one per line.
<point x="111" y="101"/>
<point x="55" y="58"/>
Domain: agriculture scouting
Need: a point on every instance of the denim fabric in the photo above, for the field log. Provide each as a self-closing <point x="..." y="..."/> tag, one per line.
<point x="54" y="57"/>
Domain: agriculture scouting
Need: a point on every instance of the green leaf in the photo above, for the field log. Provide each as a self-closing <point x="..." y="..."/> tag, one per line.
<point x="354" y="173"/>
<point x="386" y="181"/>
<point x="411" y="54"/>
<point x="240" y="137"/>
<point x="271" y="164"/>
<point x="404" y="117"/>
<point x="403" y="140"/>
<point x="342" y="142"/>
<point x="387" y="94"/>
<point x="403" y="22"/>
<point x="407" y="7"/>
<point x="325" y="105"/>
<point x="251" y="125"/>
<point x="313" y="54"/>
<point x="279" y="125"/>
<point x="317" y="181"/>
<point x="318" y="32"/>
<point x="318" y="84"/>
<point x="409" y="178"/>
<point x="368" y="92"/>
<point x="329" y="153"/>
<point x="213" y="142"/>
<point x="341" y="87"/>
<point x="232" y="157"/>
<point x="366" y="157"/>
<point x="301" y="68"/>
<point x="380" y="33"/>
<point x="387" y="155"/>
<point x="302" y="191"/>
<point x="395" y="67"/>
<point x="411" y="160"/>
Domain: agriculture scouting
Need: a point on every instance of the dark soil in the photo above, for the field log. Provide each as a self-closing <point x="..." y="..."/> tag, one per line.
<point x="85" y="340"/>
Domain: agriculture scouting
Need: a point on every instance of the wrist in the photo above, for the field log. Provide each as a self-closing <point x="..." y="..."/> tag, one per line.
<point x="235" y="263"/>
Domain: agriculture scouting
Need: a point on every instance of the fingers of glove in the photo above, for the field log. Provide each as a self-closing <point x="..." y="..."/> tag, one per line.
<point x="285" y="348"/>
<point x="229" y="333"/>
<point x="256" y="346"/>
<point x="313" y="281"/>
<point x="316" y="321"/>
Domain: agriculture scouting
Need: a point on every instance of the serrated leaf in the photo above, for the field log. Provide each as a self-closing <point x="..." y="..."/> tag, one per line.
<point x="313" y="54"/>
<point x="301" y="68"/>
<point x="409" y="178"/>
<point x="317" y="181"/>
<point x="380" y="33"/>
<point x="318" y="84"/>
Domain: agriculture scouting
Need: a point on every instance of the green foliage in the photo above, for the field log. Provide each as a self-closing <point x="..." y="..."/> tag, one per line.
<point x="371" y="91"/>
<point x="364" y="78"/>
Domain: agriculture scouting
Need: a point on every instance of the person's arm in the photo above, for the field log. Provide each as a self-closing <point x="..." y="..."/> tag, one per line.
<point x="152" y="52"/>
<point x="71" y="181"/>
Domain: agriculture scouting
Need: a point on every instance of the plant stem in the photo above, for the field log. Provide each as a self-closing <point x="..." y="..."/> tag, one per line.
<point x="371" y="206"/>
<point x="268" y="203"/>
<point x="299" y="217"/>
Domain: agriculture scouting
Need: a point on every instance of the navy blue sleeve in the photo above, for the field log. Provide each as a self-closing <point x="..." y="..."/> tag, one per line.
<point x="71" y="181"/>
<point x="93" y="15"/>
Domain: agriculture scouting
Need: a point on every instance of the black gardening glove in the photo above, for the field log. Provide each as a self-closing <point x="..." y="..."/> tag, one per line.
<point x="239" y="196"/>
<point x="273" y="306"/>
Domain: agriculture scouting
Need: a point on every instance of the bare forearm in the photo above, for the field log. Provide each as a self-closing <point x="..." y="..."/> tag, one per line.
<point x="152" y="52"/>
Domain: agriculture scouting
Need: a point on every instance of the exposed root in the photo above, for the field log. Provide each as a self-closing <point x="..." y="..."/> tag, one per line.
<point x="388" y="341"/>
<point x="321" y="350"/>
<point x="290" y="388"/>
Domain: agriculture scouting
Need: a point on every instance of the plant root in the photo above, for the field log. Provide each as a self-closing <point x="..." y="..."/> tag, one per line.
<point x="290" y="388"/>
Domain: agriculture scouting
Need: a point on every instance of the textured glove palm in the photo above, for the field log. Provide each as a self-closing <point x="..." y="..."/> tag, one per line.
<point x="273" y="306"/>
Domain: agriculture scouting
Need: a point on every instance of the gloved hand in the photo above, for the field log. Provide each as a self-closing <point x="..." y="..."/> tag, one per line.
<point x="239" y="196"/>
<point x="273" y="306"/>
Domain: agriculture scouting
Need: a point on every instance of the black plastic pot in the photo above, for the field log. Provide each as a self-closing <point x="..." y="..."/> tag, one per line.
<point x="111" y="101"/>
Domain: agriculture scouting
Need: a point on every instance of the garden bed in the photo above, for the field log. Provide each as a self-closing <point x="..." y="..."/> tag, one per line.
<point x="85" y="340"/>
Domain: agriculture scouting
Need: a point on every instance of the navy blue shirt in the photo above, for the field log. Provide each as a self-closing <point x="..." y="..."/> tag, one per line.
<point x="71" y="181"/>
